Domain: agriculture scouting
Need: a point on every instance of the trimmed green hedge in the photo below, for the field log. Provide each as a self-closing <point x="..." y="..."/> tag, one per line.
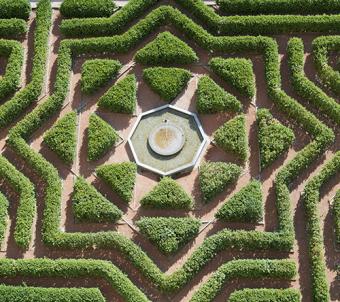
<point x="167" y="194"/>
<point x="169" y="233"/>
<point x="311" y="197"/>
<point x="90" y="206"/>
<point x="3" y="216"/>
<point x="274" y="138"/>
<point x="245" y="206"/>
<point x="166" y="49"/>
<point x="73" y="268"/>
<point x="321" y="47"/>
<point x="20" y="9"/>
<point x="27" y="203"/>
<point x="250" y="269"/>
<point x="306" y="88"/>
<point x="265" y="295"/>
<point x="336" y="210"/>
<point x="212" y="98"/>
<point x="167" y="82"/>
<point x="122" y="97"/>
<point x="12" y="28"/>
<point x="30" y="93"/>
<point x="214" y="177"/>
<point x="289" y="7"/>
<point x="237" y="72"/>
<point x="98" y="72"/>
<point x="10" y="81"/>
<point x="41" y="294"/>
<point x="121" y="177"/>
<point x="218" y="25"/>
<point x="232" y="137"/>
<point x="101" y="137"/>
<point x="62" y="137"/>
<point x="87" y="8"/>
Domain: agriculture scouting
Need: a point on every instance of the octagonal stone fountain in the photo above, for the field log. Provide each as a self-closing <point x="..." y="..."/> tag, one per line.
<point x="167" y="140"/>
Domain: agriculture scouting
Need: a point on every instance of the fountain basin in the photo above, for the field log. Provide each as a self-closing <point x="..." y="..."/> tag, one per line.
<point x="167" y="140"/>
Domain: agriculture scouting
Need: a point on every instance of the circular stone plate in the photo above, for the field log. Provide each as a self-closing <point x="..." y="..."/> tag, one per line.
<point x="166" y="139"/>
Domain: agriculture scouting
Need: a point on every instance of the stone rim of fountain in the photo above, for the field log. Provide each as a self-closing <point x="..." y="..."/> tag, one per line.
<point x="186" y="167"/>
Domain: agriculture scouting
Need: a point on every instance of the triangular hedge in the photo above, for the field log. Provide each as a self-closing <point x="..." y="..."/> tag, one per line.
<point x="167" y="194"/>
<point x="237" y="72"/>
<point x="122" y="97"/>
<point x="166" y="49"/>
<point x="98" y="72"/>
<point x="169" y="233"/>
<point x="215" y="176"/>
<point x="232" y="137"/>
<point x="101" y="137"/>
<point x="62" y="137"/>
<point x="274" y="138"/>
<point x="167" y="82"/>
<point x="245" y="206"/>
<point x="212" y="98"/>
<point x="120" y="177"/>
<point x="90" y="206"/>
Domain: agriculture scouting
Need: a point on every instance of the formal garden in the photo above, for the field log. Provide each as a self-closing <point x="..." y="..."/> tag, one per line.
<point x="170" y="150"/>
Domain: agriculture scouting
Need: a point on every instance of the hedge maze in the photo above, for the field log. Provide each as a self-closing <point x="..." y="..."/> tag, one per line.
<point x="258" y="219"/>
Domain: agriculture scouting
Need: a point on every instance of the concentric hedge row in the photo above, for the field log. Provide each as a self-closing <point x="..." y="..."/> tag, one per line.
<point x="282" y="239"/>
<point x="311" y="196"/>
<point x="11" y="80"/>
<point x="219" y="25"/>
<point x="14" y="107"/>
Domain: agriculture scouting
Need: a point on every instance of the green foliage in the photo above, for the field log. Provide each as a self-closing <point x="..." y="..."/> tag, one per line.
<point x="90" y="206"/>
<point x="101" y="137"/>
<point x="167" y="194"/>
<point x="87" y="8"/>
<point x="237" y="72"/>
<point x="121" y="97"/>
<point x="212" y="98"/>
<point x="12" y="28"/>
<point x="3" y="216"/>
<point x="120" y="177"/>
<point x="15" y="58"/>
<point x="169" y="233"/>
<point x="311" y="197"/>
<point x="232" y="137"/>
<point x="71" y="268"/>
<point x="62" y="137"/>
<point x="250" y="269"/>
<point x="14" y="107"/>
<point x="27" y="203"/>
<point x="166" y="49"/>
<point x="306" y="88"/>
<point x="336" y="209"/>
<point x="215" y="176"/>
<point x="98" y="72"/>
<point x="289" y="7"/>
<point x="167" y="82"/>
<point x="265" y="295"/>
<point x="42" y="294"/>
<point x="20" y="9"/>
<point x="274" y="138"/>
<point x="245" y="206"/>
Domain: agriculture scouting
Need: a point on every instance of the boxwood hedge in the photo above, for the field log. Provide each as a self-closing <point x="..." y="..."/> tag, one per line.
<point x="3" y="216"/>
<point x="336" y="209"/>
<point x="87" y="8"/>
<point x="90" y="206"/>
<point x="166" y="49"/>
<point x="265" y="295"/>
<point x="214" y="177"/>
<point x="169" y="233"/>
<point x="212" y="98"/>
<point x="42" y="294"/>
<point x="20" y="9"/>
<point x="101" y="137"/>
